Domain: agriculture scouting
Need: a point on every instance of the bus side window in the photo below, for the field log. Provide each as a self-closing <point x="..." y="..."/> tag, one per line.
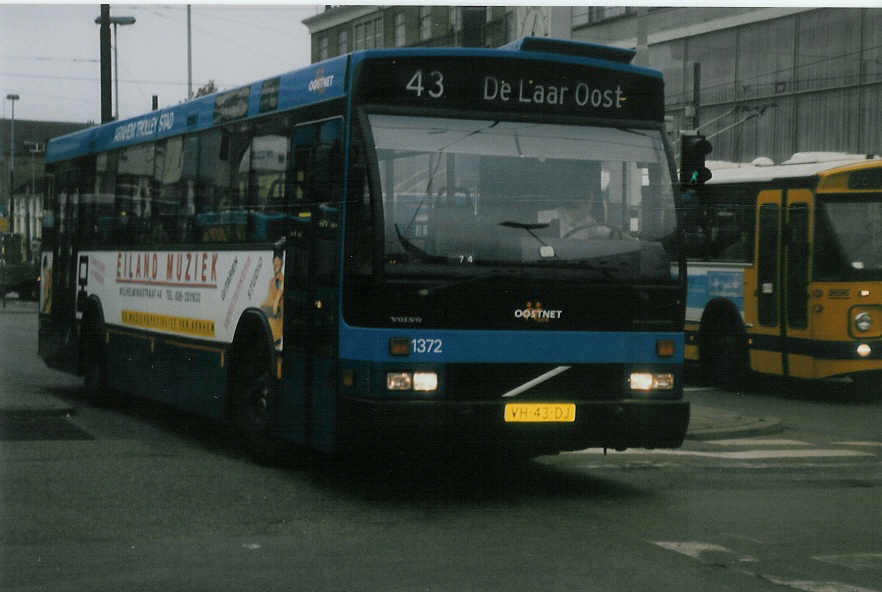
<point x="222" y="184"/>
<point x="728" y="224"/>
<point x="266" y="204"/>
<point x="318" y="182"/>
<point x="189" y="183"/>
<point x="167" y="173"/>
<point x="318" y="160"/>
<point x="134" y="194"/>
<point x="82" y="201"/>
<point x="240" y="158"/>
<point x="87" y="203"/>
<point x="174" y="189"/>
<point x="102" y="221"/>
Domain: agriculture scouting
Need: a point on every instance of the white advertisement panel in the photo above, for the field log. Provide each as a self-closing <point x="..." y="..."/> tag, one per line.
<point x="194" y="294"/>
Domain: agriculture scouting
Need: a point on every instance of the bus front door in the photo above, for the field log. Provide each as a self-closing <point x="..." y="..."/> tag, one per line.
<point x="798" y="360"/>
<point x="766" y="353"/>
<point x="782" y="321"/>
<point x="310" y="330"/>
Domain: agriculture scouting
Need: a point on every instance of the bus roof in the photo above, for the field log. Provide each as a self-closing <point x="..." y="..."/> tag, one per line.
<point x="800" y="165"/>
<point x="313" y="84"/>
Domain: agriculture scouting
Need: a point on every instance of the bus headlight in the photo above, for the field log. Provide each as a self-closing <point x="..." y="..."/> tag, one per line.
<point x="399" y="381"/>
<point x="416" y="381"/>
<point x="863" y="322"/>
<point x="425" y="381"/>
<point x="651" y="381"/>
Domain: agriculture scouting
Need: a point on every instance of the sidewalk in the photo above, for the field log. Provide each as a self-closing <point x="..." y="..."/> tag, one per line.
<point x="708" y="423"/>
<point x="14" y="305"/>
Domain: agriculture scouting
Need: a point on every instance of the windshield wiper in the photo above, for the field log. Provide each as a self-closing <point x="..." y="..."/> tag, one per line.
<point x="528" y="226"/>
<point x="546" y="250"/>
<point x="414" y="250"/>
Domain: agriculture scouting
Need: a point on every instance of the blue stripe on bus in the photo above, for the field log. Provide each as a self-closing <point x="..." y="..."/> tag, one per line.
<point x="314" y="84"/>
<point x="556" y="347"/>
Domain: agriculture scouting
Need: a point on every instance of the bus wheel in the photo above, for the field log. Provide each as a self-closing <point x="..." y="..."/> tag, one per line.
<point x="254" y="402"/>
<point x="867" y="386"/>
<point x="724" y="352"/>
<point x="95" y="366"/>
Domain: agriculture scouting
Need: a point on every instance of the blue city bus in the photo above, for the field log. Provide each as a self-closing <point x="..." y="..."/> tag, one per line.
<point x="459" y="246"/>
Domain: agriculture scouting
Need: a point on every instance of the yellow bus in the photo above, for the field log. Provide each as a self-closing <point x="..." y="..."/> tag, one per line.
<point x="785" y="269"/>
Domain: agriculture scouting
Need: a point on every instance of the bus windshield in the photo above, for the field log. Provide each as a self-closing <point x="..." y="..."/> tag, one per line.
<point x="467" y="192"/>
<point x="849" y="238"/>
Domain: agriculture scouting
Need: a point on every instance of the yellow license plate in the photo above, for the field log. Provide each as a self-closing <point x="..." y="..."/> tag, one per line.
<point x="540" y="412"/>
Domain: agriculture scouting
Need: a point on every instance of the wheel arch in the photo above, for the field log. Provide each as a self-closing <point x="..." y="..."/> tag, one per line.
<point x="252" y="325"/>
<point x="720" y="312"/>
<point x="722" y="344"/>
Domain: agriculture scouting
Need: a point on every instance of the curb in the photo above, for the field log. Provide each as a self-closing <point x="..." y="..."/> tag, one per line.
<point x="760" y="426"/>
<point x="26" y="413"/>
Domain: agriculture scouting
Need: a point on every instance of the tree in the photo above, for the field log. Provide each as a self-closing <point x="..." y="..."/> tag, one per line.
<point x="208" y="89"/>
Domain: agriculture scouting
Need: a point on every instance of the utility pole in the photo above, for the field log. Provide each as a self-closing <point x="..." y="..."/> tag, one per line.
<point x="642" y="57"/>
<point x="12" y="97"/>
<point x="189" y="58"/>
<point x="696" y="93"/>
<point x="115" y="21"/>
<point x="106" y="106"/>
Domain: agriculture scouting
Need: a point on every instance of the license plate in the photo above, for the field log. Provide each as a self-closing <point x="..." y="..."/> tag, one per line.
<point x="540" y="412"/>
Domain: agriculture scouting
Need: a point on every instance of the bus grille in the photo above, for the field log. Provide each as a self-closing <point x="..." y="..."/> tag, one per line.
<point x="488" y="382"/>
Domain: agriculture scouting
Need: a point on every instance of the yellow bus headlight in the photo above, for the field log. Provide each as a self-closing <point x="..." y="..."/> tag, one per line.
<point x="863" y="322"/>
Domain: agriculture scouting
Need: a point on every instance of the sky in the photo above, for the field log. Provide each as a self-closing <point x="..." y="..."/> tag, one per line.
<point x="50" y="54"/>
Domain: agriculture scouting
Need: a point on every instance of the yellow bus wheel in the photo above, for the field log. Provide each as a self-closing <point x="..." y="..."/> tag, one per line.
<point x="723" y="346"/>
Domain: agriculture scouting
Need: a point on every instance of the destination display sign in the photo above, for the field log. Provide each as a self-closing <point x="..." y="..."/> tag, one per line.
<point x="512" y="85"/>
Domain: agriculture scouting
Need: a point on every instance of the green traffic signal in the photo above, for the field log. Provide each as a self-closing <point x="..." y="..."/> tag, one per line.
<point x="693" y="150"/>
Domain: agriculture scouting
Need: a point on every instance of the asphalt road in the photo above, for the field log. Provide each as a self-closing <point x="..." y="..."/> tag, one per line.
<point x="139" y="498"/>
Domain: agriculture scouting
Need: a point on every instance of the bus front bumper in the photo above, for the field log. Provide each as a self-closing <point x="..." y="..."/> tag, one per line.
<point x="618" y="424"/>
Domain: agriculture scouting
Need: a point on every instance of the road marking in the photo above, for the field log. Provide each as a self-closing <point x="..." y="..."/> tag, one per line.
<point x="868" y="444"/>
<point x="854" y="560"/>
<point x="739" y="455"/>
<point x="695" y="549"/>
<point x="813" y="586"/>
<point x="758" y="442"/>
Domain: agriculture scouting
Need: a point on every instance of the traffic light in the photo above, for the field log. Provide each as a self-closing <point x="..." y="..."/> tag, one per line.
<point x="693" y="149"/>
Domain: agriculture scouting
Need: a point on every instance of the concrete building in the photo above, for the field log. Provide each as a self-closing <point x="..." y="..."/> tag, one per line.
<point x="757" y="81"/>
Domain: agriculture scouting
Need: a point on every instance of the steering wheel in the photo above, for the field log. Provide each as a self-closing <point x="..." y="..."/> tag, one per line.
<point x="614" y="232"/>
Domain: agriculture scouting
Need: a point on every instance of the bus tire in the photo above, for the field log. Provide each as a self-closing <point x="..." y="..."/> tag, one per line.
<point x="94" y="362"/>
<point x="254" y="392"/>
<point x="867" y="386"/>
<point x="723" y="346"/>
